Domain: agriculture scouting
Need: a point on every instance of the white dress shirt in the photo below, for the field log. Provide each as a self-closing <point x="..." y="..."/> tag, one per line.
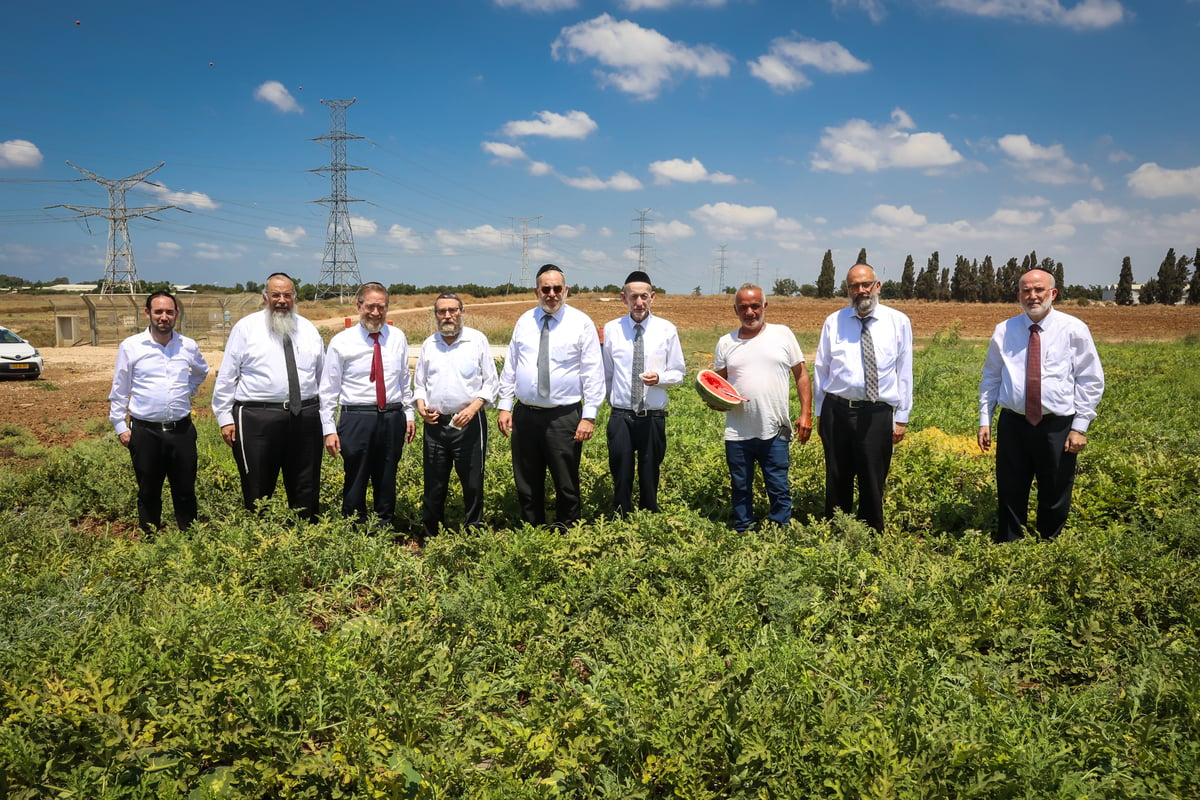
<point x="449" y="377"/>
<point x="155" y="382"/>
<point x="661" y="353"/>
<point x="760" y="369"/>
<point x="346" y="378"/>
<point x="576" y="371"/>
<point x="253" y="368"/>
<point x="1072" y="378"/>
<point x="838" y="364"/>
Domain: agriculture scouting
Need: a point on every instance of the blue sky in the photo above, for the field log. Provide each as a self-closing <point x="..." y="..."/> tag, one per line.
<point x="773" y="129"/>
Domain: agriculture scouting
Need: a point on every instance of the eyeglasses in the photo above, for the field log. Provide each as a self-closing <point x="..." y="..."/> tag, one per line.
<point x="552" y="289"/>
<point x="447" y="312"/>
<point x="862" y="287"/>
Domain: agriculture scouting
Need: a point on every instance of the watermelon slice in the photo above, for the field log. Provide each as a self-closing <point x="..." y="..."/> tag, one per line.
<point x="716" y="392"/>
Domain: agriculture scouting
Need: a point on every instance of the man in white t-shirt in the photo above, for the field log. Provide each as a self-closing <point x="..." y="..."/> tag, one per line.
<point x="761" y="360"/>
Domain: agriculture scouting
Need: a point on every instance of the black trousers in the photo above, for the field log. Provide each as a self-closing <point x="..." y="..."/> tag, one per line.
<point x="159" y="454"/>
<point x="858" y="445"/>
<point x="463" y="450"/>
<point x="544" y="440"/>
<point x="640" y="441"/>
<point x="270" y="440"/>
<point x="372" y="443"/>
<point x="1024" y="453"/>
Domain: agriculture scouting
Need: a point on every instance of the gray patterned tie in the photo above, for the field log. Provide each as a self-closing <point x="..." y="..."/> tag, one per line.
<point x="870" y="370"/>
<point x="637" y="389"/>
<point x="289" y="359"/>
<point x="544" y="359"/>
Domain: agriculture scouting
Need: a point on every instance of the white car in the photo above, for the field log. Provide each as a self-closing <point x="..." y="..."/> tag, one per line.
<point x="18" y="358"/>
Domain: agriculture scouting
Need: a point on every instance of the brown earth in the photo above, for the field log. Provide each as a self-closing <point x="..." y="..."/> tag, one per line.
<point x="69" y="402"/>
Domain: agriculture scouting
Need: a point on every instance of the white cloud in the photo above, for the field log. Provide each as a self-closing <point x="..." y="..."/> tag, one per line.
<point x="634" y="59"/>
<point x="1016" y="217"/>
<point x="663" y="5"/>
<point x="572" y="125"/>
<point x="1088" y="212"/>
<point x="904" y="216"/>
<point x="671" y="231"/>
<point x="276" y="94"/>
<point x="363" y="228"/>
<point x="17" y="153"/>
<point x="568" y="231"/>
<point x="1151" y="180"/>
<point x="215" y="252"/>
<point x="484" y="236"/>
<point x="288" y="238"/>
<point x="873" y="8"/>
<point x="858" y="145"/>
<point x="504" y="152"/>
<point x="540" y="168"/>
<point x="18" y="253"/>
<point x="405" y="237"/>
<point x="1084" y="15"/>
<point x="197" y="200"/>
<point x="1042" y="164"/>
<point x="781" y="67"/>
<point x="1029" y="201"/>
<point x="621" y="182"/>
<point x="593" y="256"/>
<point x="169" y="250"/>
<point x="732" y="221"/>
<point x="676" y="169"/>
<point x="538" y="5"/>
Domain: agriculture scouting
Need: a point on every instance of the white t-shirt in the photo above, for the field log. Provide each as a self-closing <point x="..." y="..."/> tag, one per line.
<point x="760" y="369"/>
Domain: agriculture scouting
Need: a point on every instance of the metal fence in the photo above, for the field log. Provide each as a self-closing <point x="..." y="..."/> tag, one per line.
<point x="106" y="319"/>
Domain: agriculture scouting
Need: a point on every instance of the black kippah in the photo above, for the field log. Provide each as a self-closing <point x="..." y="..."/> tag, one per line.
<point x="637" y="276"/>
<point x="549" y="268"/>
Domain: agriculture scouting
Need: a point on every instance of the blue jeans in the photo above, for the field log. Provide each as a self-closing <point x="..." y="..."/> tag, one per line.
<point x="772" y="456"/>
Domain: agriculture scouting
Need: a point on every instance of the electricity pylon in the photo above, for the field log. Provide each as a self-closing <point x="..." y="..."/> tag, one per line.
<point x="339" y="268"/>
<point x="120" y="271"/>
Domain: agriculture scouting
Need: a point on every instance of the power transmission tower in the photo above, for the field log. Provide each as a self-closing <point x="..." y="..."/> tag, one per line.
<point x="339" y="269"/>
<point x="120" y="271"/>
<point x="642" y="249"/>
<point x="525" y="235"/>
<point x="721" y="270"/>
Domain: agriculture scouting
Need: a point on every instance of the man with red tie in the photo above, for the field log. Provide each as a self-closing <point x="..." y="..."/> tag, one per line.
<point x="1043" y="370"/>
<point x="366" y="374"/>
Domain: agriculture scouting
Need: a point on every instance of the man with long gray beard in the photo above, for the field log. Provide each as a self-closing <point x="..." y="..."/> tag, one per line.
<point x="862" y="389"/>
<point x="265" y="400"/>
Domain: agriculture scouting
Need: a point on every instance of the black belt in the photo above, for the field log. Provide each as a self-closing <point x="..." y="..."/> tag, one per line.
<point x="553" y="408"/>
<point x="372" y="408"/>
<point x="169" y="425"/>
<point x="871" y="405"/>
<point x="645" y="412"/>
<point x="309" y="403"/>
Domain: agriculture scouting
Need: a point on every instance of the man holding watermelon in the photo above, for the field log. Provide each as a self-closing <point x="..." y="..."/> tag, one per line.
<point x="761" y="360"/>
<point x="862" y="382"/>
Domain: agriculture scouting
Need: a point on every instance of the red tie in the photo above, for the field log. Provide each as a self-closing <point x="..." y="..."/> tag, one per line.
<point x="377" y="374"/>
<point x="1033" y="377"/>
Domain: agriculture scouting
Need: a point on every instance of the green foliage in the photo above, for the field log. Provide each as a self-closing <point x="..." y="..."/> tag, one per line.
<point x="658" y="656"/>
<point x="826" y="278"/>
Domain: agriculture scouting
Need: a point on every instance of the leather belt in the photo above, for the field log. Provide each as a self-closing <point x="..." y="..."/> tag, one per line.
<point x="169" y="425"/>
<point x="309" y="403"/>
<point x="645" y="412"/>
<point x="856" y="404"/>
<point x="372" y="408"/>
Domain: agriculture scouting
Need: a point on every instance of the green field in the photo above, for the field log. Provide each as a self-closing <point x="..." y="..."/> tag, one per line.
<point x="661" y="656"/>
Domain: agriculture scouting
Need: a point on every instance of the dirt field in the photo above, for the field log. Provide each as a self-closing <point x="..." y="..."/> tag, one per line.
<point x="69" y="402"/>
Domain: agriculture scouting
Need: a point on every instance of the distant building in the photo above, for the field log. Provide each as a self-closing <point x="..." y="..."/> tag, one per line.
<point x="79" y="288"/>
<point x="1110" y="293"/>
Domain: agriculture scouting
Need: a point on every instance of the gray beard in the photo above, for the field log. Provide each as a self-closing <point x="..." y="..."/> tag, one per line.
<point x="865" y="307"/>
<point x="283" y="325"/>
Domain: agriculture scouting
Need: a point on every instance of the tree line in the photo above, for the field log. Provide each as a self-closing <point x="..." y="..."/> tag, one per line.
<point x="972" y="281"/>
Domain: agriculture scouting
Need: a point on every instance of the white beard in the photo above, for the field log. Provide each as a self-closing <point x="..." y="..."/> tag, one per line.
<point x="283" y="324"/>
